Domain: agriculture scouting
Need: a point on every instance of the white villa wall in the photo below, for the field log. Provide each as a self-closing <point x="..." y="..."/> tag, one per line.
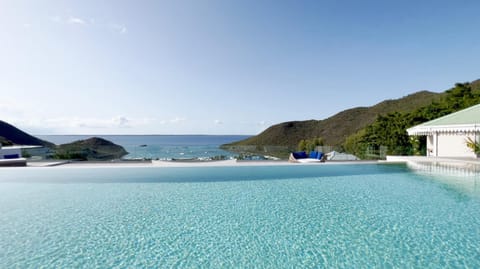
<point x="452" y="145"/>
<point x="431" y="150"/>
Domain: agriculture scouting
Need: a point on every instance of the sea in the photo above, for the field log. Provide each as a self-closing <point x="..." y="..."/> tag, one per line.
<point x="163" y="147"/>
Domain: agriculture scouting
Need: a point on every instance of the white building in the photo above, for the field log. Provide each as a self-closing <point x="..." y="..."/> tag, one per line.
<point x="447" y="135"/>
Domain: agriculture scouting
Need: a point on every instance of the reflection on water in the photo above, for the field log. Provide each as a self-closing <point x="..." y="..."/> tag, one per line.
<point x="462" y="177"/>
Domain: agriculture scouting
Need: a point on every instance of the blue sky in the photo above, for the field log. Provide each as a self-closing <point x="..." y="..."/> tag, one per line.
<point x="222" y="67"/>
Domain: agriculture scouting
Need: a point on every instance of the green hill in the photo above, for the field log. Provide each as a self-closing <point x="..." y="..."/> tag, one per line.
<point x="94" y="148"/>
<point x="335" y="129"/>
<point x="475" y="85"/>
<point x="355" y="124"/>
<point x="388" y="134"/>
<point x="12" y="135"/>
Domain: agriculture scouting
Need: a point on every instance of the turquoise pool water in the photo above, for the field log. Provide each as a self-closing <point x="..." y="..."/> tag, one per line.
<point x="329" y="216"/>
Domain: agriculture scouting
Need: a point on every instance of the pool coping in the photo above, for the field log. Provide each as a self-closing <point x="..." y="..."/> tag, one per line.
<point x="424" y="159"/>
<point x="439" y="165"/>
<point x="225" y="163"/>
<point x="160" y="163"/>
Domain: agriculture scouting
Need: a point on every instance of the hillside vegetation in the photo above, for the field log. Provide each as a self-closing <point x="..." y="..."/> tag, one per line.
<point x="357" y="129"/>
<point x="390" y="130"/>
<point x="334" y="130"/>
<point x="12" y="135"/>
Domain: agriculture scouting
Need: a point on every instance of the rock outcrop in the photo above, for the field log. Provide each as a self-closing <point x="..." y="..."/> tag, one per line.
<point x="91" y="149"/>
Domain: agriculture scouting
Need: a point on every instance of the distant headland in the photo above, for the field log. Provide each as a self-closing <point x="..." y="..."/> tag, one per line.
<point x="91" y="149"/>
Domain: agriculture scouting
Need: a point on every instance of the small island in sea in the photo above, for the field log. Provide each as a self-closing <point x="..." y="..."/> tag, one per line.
<point x="91" y="149"/>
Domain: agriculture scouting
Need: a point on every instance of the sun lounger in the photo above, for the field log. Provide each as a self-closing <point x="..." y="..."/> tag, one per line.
<point x="302" y="157"/>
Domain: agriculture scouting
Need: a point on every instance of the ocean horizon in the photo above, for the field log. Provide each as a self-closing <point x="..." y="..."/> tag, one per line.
<point x="161" y="146"/>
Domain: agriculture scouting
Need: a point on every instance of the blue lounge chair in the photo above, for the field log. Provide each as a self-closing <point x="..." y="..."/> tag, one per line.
<point x="302" y="157"/>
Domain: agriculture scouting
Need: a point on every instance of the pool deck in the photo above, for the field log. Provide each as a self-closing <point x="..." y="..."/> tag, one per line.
<point x="424" y="159"/>
<point x="187" y="163"/>
<point x="182" y="163"/>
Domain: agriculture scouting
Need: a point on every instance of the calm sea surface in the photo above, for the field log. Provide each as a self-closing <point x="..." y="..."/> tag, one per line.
<point x="321" y="216"/>
<point x="162" y="146"/>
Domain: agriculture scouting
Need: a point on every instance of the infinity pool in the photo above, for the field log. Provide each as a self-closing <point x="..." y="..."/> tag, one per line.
<point x="326" y="216"/>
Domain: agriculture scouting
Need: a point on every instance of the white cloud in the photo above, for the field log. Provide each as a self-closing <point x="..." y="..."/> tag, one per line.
<point x="218" y="122"/>
<point x="118" y="28"/>
<point x="121" y="121"/>
<point x="79" y="125"/>
<point x="76" y="20"/>
<point x="9" y="107"/>
<point x="71" y="20"/>
<point x="69" y="123"/>
<point x="56" y="19"/>
<point x="38" y="122"/>
<point x="177" y="120"/>
<point x="115" y="122"/>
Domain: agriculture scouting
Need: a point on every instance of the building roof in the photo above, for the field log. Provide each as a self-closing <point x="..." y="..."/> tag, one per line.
<point x="466" y="120"/>
<point x="20" y="147"/>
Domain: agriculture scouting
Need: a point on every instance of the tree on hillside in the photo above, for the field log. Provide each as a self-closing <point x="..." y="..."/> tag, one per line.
<point x="309" y="144"/>
<point x="391" y="130"/>
<point x="357" y="144"/>
<point x="459" y="97"/>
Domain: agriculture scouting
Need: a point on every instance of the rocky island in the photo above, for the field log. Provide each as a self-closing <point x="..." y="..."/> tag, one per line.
<point x="92" y="149"/>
